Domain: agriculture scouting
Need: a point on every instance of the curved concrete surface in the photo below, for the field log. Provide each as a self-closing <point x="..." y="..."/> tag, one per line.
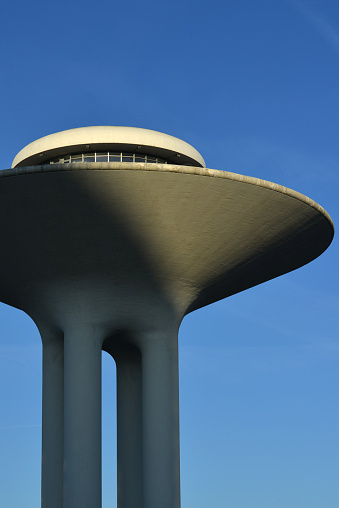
<point x="101" y="138"/>
<point x="200" y="235"/>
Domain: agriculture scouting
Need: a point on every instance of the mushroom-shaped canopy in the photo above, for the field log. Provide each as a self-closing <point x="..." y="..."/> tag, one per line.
<point x="130" y="235"/>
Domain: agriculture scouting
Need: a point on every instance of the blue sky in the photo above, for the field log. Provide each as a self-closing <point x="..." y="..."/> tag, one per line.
<point x="253" y="85"/>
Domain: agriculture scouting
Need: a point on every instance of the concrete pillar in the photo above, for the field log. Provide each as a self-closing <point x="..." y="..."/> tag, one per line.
<point x="129" y="428"/>
<point x="160" y="399"/>
<point x="52" y="418"/>
<point x="82" y="417"/>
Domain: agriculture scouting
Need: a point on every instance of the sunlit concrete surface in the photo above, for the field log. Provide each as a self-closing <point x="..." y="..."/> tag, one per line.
<point x="101" y="137"/>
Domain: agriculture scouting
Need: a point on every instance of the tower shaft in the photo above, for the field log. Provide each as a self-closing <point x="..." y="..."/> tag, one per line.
<point x="148" y="418"/>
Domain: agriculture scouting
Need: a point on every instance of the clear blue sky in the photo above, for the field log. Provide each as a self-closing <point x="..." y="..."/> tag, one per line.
<point x="253" y="85"/>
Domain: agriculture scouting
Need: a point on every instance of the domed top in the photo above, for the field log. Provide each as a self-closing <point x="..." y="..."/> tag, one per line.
<point x="101" y="138"/>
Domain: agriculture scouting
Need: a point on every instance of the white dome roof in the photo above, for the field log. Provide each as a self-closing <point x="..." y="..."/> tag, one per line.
<point x="131" y="139"/>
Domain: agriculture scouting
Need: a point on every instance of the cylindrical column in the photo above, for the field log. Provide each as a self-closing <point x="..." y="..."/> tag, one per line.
<point x="82" y="418"/>
<point x="129" y="428"/>
<point x="160" y="398"/>
<point x="52" y="418"/>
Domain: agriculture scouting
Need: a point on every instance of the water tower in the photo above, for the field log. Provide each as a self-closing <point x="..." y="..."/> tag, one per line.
<point x="110" y="236"/>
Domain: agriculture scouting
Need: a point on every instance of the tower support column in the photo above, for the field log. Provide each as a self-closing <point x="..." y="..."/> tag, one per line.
<point x="129" y="427"/>
<point x="52" y="418"/>
<point x="82" y="417"/>
<point x="160" y="399"/>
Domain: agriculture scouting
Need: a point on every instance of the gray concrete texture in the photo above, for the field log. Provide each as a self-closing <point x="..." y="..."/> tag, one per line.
<point x="112" y="256"/>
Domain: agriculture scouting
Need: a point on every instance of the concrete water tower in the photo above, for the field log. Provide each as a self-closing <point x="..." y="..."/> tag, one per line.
<point x="110" y="236"/>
